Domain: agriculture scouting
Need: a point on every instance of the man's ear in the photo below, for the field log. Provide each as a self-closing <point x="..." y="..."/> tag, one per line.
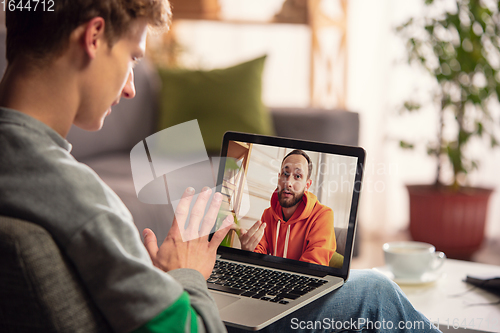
<point x="308" y="184"/>
<point x="93" y="36"/>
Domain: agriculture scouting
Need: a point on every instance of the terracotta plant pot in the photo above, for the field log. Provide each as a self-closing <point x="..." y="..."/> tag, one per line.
<point x="454" y="222"/>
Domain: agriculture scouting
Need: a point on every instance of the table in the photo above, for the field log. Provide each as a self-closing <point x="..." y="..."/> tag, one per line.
<point x="453" y="303"/>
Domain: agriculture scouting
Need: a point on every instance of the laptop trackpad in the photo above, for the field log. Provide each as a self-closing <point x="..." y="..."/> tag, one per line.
<point x="224" y="300"/>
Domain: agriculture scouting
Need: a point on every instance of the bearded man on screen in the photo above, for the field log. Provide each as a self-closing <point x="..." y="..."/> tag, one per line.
<point x="296" y="225"/>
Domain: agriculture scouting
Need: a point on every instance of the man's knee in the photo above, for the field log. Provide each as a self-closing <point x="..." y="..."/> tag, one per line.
<point x="372" y="281"/>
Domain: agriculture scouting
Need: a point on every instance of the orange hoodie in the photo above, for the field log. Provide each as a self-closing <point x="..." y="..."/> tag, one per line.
<point x="307" y="236"/>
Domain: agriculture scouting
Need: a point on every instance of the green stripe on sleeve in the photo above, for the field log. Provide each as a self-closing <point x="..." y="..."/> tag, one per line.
<point x="173" y="319"/>
<point x="194" y="322"/>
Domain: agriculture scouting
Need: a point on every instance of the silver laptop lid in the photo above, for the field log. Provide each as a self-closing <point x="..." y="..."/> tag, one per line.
<point x="249" y="176"/>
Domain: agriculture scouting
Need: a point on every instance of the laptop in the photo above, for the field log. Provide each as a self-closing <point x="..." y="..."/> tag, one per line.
<point x="253" y="290"/>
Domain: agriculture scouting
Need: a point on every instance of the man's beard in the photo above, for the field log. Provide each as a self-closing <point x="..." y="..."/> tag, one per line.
<point x="289" y="202"/>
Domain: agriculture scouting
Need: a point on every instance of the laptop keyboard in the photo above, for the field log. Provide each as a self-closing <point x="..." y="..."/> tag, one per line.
<point x="260" y="283"/>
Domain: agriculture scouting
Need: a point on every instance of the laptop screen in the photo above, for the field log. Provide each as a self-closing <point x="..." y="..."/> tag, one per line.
<point x="294" y="202"/>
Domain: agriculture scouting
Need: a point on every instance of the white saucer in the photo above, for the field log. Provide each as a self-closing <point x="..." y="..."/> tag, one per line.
<point x="429" y="277"/>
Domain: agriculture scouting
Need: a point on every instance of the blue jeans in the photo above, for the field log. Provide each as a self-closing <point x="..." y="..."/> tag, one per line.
<point x="368" y="301"/>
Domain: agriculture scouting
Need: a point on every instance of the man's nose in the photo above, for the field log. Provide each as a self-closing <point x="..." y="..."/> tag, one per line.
<point x="129" y="89"/>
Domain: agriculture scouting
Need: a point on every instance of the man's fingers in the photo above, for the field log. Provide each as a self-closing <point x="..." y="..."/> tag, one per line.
<point x="254" y="228"/>
<point x="197" y="214"/>
<point x="255" y="240"/>
<point x="211" y="215"/>
<point x="150" y="243"/>
<point x="181" y="213"/>
<point x="221" y="233"/>
<point x="237" y="227"/>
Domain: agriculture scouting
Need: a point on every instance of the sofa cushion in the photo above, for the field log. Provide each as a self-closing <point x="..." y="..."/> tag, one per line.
<point x="323" y="125"/>
<point x="221" y="100"/>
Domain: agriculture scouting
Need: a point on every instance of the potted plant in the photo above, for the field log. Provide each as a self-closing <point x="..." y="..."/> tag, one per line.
<point x="460" y="49"/>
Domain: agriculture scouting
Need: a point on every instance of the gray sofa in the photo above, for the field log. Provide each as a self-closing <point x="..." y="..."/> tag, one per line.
<point x="107" y="151"/>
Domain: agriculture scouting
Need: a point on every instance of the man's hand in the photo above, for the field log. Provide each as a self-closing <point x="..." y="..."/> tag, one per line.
<point x="250" y="238"/>
<point x="196" y="251"/>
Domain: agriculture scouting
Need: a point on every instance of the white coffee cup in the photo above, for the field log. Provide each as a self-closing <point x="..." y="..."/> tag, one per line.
<point x="412" y="259"/>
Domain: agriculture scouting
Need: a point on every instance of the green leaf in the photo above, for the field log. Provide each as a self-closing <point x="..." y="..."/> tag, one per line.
<point x="479" y="128"/>
<point x="455" y="156"/>
<point x="463" y="137"/>
<point x="406" y="145"/>
<point x="497" y="90"/>
<point x="412" y="106"/>
<point x="494" y="142"/>
<point x="433" y="150"/>
<point x="430" y="29"/>
<point x="404" y="25"/>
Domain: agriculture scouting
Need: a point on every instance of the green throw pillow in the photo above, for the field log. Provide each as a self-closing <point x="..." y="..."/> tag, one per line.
<point x="221" y="100"/>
